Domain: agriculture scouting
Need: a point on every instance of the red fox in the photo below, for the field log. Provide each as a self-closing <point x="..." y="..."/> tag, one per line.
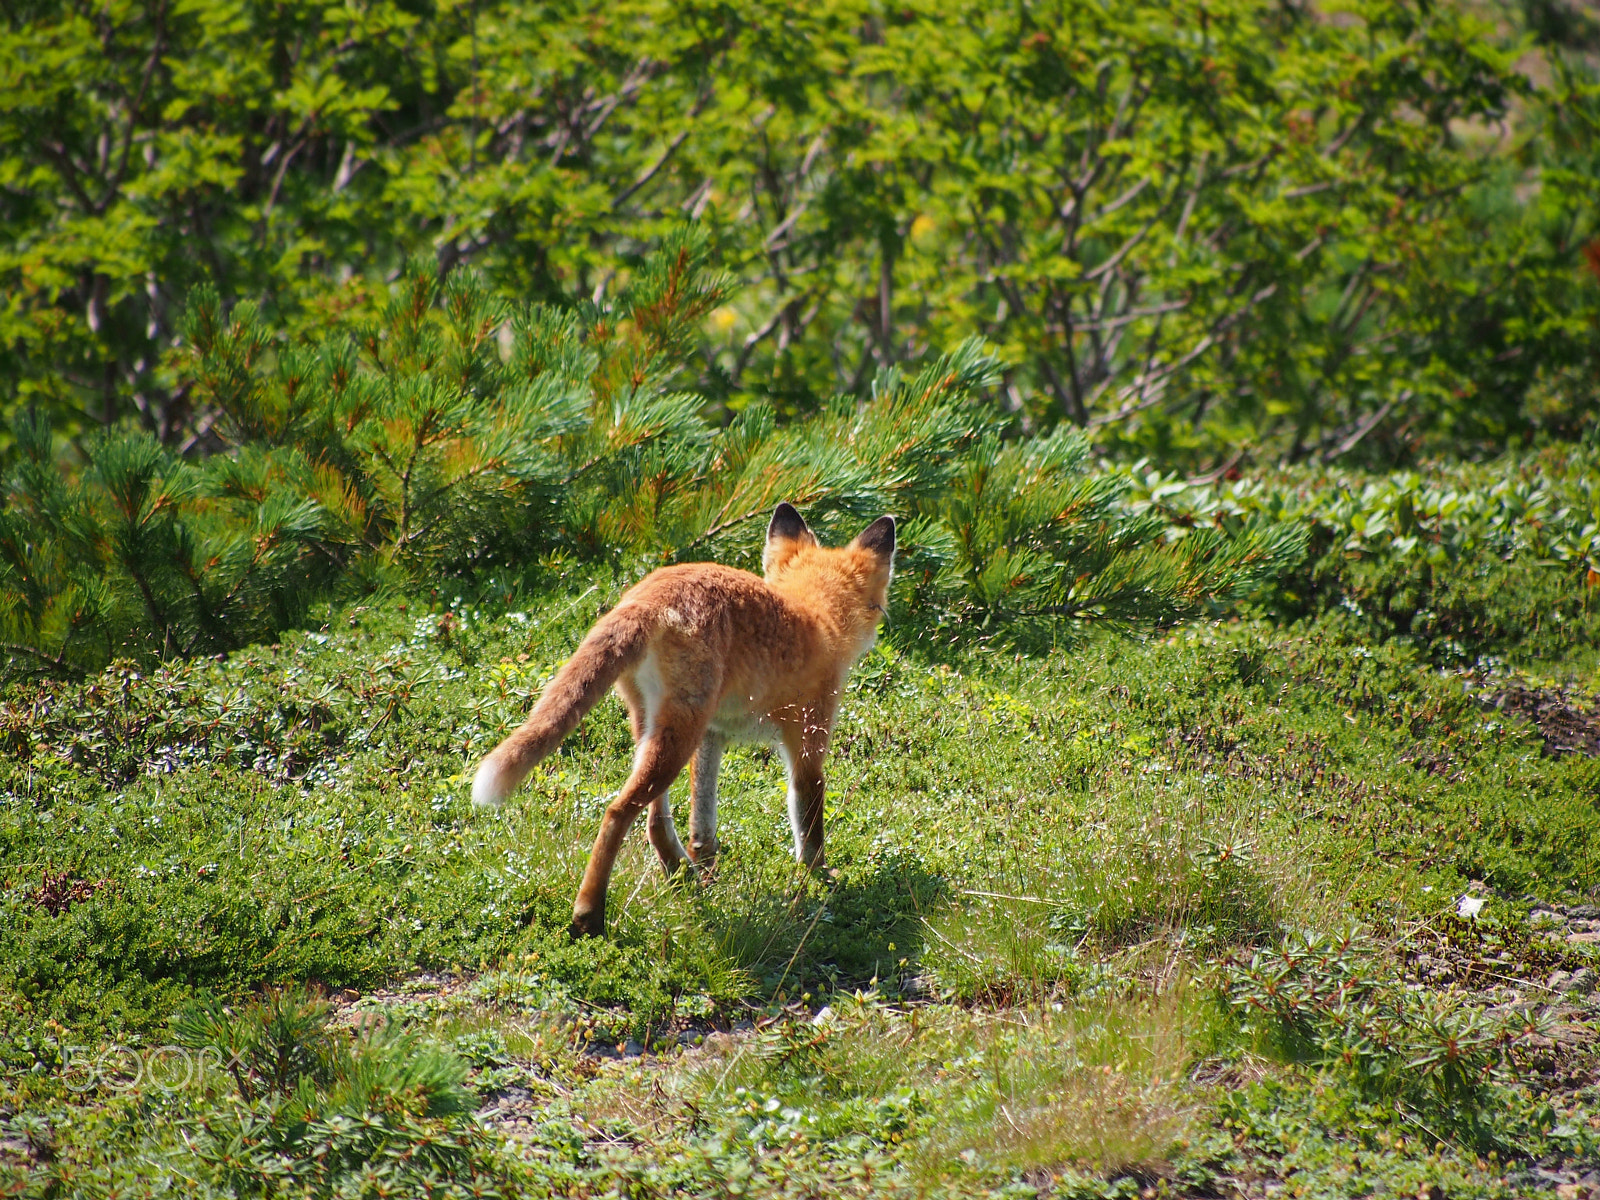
<point x="703" y="655"/>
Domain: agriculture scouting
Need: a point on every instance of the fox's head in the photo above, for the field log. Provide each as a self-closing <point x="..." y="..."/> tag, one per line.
<point x="852" y="580"/>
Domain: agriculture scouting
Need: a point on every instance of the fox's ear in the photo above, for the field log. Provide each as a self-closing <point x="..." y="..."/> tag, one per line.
<point x="786" y="534"/>
<point x="878" y="537"/>
<point x="788" y="525"/>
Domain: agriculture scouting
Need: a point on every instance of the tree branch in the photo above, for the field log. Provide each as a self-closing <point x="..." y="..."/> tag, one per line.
<point x="1367" y="425"/>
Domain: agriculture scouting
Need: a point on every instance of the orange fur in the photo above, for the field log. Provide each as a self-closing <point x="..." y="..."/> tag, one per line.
<point x="702" y="655"/>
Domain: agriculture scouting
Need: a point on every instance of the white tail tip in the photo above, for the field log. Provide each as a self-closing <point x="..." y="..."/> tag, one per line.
<point x="489" y="788"/>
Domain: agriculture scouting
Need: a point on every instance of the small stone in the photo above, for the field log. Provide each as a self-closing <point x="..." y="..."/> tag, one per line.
<point x="1582" y="981"/>
<point x="1583" y="939"/>
<point x="1470" y="906"/>
<point x="1558" y="980"/>
<point x="1584" y="912"/>
<point x="1572" y="1191"/>
<point x="631" y="1049"/>
<point x="1430" y="1191"/>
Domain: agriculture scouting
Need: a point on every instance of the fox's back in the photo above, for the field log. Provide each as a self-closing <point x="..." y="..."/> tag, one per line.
<point x="709" y="601"/>
<point x="729" y="640"/>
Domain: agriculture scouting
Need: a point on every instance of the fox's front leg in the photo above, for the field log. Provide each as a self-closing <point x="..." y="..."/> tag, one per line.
<point x="804" y="746"/>
<point x="806" y="794"/>
<point x="703" y="800"/>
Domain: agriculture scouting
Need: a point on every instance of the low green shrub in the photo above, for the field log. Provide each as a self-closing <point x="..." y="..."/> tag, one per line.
<point x="451" y="438"/>
<point x="1337" y="1003"/>
<point x="323" y="1114"/>
<point x="1313" y="1133"/>
<point x="283" y="1104"/>
<point x="1460" y="559"/>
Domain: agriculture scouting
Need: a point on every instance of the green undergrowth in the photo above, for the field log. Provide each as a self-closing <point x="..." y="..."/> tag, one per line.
<point x="1457" y="560"/>
<point x="298" y="813"/>
<point x="1114" y="1092"/>
<point x="1087" y="927"/>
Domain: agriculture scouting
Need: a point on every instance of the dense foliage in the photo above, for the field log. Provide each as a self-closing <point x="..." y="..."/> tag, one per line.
<point x="446" y="436"/>
<point x="1190" y="227"/>
<point x="1457" y="560"/>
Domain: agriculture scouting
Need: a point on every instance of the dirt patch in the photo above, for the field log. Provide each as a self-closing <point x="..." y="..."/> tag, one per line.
<point x="1569" y="723"/>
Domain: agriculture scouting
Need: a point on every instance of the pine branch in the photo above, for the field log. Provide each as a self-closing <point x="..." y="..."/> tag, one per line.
<point x="58" y="663"/>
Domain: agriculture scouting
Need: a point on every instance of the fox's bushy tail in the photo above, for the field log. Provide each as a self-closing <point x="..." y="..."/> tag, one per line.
<point x="612" y="646"/>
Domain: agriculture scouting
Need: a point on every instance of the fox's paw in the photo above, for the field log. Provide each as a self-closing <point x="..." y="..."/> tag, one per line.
<point x="588" y="924"/>
<point x="704" y="853"/>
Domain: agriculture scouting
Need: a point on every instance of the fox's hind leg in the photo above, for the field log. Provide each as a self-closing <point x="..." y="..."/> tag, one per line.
<point x="664" y="835"/>
<point x="703" y="799"/>
<point x="802" y="756"/>
<point x="670" y="738"/>
<point x="702" y="812"/>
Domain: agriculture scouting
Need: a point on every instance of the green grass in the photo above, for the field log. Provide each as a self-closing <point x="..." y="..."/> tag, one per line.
<point x="1040" y="864"/>
<point x="1227" y="783"/>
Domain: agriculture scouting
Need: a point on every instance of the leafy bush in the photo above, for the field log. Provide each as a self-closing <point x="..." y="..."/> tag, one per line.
<point x="417" y="446"/>
<point x="1316" y="236"/>
<point x="323" y="1113"/>
<point x="1031" y="541"/>
<point x="145" y="553"/>
<point x="1462" y="559"/>
<point x="1533" y="506"/>
<point x="1334" y="1001"/>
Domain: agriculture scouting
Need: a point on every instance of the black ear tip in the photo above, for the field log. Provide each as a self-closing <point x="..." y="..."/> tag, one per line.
<point x="879" y="536"/>
<point x="786" y="522"/>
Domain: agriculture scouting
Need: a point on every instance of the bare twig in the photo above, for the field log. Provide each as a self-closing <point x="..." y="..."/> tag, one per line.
<point x="1212" y="476"/>
<point x="1366" y="426"/>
